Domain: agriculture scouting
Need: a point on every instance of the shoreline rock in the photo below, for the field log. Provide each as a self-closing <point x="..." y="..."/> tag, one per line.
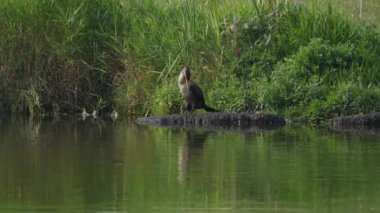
<point x="364" y="121"/>
<point x="217" y="120"/>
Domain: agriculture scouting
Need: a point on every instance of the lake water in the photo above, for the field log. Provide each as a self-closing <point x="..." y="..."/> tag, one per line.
<point x="101" y="166"/>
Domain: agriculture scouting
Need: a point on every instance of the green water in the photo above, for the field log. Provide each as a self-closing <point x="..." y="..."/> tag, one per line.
<point x="100" y="166"/>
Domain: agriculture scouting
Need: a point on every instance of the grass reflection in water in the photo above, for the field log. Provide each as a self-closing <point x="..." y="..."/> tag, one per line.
<point x="94" y="165"/>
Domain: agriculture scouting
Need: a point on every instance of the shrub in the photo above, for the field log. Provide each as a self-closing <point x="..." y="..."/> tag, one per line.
<point x="166" y="98"/>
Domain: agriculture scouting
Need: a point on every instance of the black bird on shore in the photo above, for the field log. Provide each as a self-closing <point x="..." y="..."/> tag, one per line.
<point x="191" y="92"/>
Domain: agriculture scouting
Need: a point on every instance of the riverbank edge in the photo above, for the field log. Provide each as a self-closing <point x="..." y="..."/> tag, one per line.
<point x="359" y="121"/>
<point x="229" y="120"/>
<point x="219" y="120"/>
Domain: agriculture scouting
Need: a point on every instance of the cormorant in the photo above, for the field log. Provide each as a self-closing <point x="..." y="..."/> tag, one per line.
<point x="191" y="92"/>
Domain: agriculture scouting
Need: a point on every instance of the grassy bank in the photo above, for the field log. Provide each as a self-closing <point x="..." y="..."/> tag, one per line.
<point x="61" y="56"/>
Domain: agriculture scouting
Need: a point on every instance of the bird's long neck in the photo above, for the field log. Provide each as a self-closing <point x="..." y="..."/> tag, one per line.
<point x="182" y="80"/>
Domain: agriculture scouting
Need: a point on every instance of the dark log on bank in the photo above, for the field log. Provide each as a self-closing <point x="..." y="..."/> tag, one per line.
<point x="217" y="120"/>
<point x="365" y="121"/>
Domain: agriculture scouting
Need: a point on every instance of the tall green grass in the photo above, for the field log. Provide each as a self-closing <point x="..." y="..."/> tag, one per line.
<point x="59" y="55"/>
<point x="296" y="60"/>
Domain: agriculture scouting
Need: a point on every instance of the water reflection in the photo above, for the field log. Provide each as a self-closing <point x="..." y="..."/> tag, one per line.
<point x="190" y="151"/>
<point x="72" y="165"/>
<point x="51" y="163"/>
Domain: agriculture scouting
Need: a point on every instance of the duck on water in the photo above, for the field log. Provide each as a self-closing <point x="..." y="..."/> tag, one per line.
<point x="191" y="92"/>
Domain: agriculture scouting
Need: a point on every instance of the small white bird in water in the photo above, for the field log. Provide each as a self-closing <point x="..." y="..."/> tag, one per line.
<point x="114" y="115"/>
<point x="84" y="114"/>
<point x="94" y="114"/>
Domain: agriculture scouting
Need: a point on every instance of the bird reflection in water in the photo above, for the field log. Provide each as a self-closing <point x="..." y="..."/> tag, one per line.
<point x="190" y="152"/>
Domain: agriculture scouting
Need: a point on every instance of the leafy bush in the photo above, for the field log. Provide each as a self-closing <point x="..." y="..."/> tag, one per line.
<point x="309" y="82"/>
<point x="229" y="95"/>
<point x="166" y="98"/>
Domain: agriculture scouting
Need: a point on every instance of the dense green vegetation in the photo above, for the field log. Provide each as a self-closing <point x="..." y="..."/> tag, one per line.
<point x="298" y="61"/>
